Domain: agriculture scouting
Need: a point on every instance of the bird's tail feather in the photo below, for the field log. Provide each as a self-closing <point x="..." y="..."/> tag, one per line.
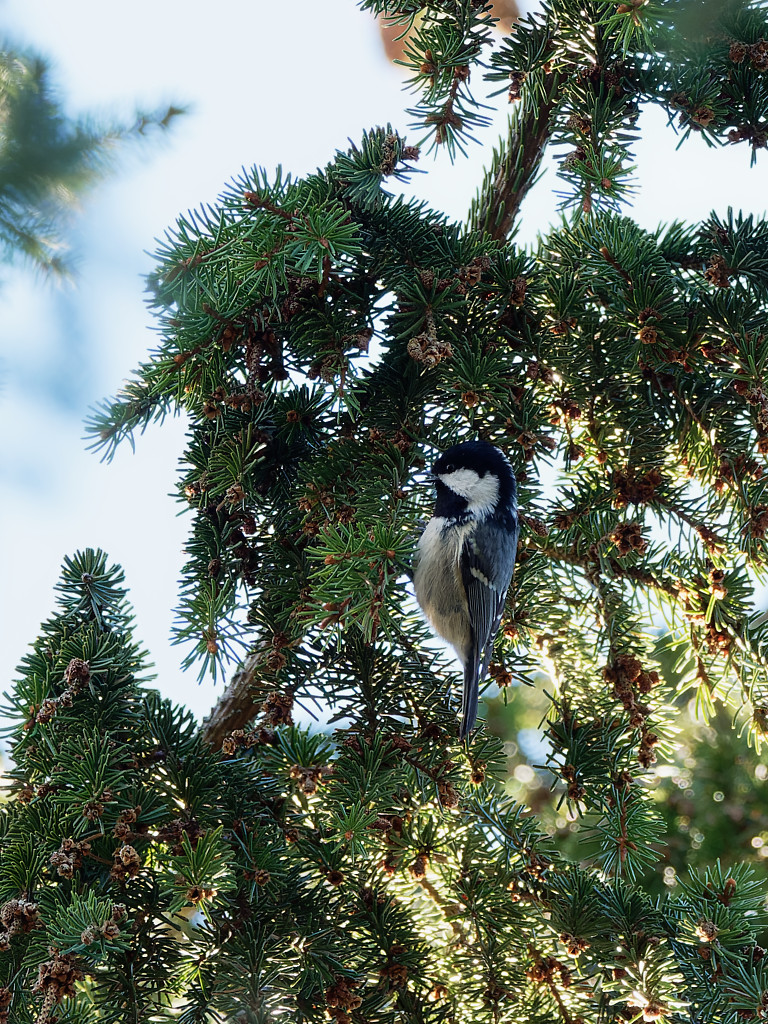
<point x="469" y="698"/>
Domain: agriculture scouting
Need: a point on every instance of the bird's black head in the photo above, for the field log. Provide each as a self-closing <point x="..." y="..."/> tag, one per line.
<point x="476" y="478"/>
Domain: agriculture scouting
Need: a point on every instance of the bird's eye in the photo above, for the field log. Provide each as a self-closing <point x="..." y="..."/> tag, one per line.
<point x="449" y="468"/>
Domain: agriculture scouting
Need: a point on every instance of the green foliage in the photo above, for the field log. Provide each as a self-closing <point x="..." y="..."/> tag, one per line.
<point x="325" y="338"/>
<point x="48" y="160"/>
<point x="289" y="875"/>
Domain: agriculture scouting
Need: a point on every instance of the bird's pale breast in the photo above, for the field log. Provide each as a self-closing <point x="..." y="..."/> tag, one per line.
<point x="438" y="584"/>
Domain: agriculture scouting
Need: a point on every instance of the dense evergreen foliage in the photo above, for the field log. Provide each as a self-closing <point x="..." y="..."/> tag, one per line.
<point x="325" y="338"/>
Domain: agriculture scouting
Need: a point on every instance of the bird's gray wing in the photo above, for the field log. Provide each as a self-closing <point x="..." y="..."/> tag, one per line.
<point x="487" y="564"/>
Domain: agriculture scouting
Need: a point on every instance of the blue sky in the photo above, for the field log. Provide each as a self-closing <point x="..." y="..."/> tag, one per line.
<point x="266" y="83"/>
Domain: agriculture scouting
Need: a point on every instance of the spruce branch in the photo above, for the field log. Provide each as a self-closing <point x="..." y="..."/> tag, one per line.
<point x="235" y="708"/>
<point x="515" y="164"/>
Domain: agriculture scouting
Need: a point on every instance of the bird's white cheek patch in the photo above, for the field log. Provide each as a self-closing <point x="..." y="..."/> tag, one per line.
<point x="486" y="495"/>
<point x="480" y="492"/>
<point x="461" y="481"/>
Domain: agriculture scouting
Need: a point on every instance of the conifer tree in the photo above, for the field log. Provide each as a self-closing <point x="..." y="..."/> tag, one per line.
<point x="326" y="338"/>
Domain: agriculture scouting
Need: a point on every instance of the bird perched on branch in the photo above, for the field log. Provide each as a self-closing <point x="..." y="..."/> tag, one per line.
<point x="467" y="556"/>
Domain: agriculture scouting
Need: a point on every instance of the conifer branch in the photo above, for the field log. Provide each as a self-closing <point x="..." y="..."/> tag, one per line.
<point x="235" y="708"/>
<point x="515" y="165"/>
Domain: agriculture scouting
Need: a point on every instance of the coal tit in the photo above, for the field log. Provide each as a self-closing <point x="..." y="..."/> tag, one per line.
<point x="466" y="558"/>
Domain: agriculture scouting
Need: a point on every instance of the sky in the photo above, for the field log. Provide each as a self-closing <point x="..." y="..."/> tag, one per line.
<point x="266" y="83"/>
